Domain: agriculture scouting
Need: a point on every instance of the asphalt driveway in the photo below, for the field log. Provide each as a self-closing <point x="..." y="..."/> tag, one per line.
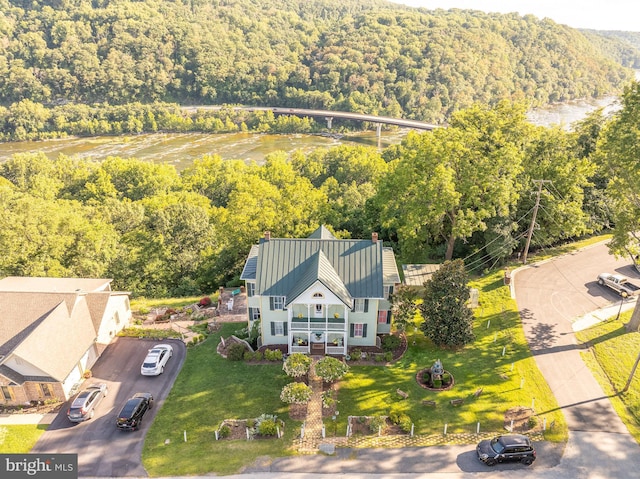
<point x="102" y="449"/>
<point x="551" y="296"/>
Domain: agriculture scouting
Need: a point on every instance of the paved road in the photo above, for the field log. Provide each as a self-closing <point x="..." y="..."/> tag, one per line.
<point x="102" y="449"/>
<point x="551" y="296"/>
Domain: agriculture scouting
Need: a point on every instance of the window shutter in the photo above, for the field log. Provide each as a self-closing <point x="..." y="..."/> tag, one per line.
<point x="285" y="326"/>
<point x="388" y="317"/>
<point x="364" y="330"/>
<point x="351" y="329"/>
<point x="366" y="305"/>
<point x="271" y="303"/>
<point x="273" y="328"/>
<point x="353" y="310"/>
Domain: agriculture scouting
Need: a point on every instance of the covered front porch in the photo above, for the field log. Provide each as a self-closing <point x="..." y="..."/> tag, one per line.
<point x="318" y="335"/>
<point x="318" y="342"/>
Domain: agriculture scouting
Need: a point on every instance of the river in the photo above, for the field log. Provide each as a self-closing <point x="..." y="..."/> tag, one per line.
<point x="180" y="149"/>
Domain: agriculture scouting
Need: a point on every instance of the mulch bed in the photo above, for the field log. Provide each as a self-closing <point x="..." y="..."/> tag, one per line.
<point x="521" y="417"/>
<point x="360" y="427"/>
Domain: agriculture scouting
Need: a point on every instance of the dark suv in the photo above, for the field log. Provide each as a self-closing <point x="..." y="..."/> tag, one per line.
<point x="510" y="447"/>
<point x="83" y="406"/>
<point x="130" y="416"/>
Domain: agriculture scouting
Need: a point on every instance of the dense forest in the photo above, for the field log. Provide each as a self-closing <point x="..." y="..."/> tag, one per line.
<point x="158" y="232"/>
<point x="467" y="191"/>
<point x="355" y="55"/>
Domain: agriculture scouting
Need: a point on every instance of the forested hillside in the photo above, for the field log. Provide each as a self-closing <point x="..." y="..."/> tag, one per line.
<point x="356" y="55"/>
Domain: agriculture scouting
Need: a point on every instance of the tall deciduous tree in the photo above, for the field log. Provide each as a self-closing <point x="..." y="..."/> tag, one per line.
<point x="448" y="321"/>
<point x="448" y="183"/>
<point x="620" y="149"/>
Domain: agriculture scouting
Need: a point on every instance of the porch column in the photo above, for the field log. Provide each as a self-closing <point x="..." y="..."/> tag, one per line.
<point x="290" y="328"/>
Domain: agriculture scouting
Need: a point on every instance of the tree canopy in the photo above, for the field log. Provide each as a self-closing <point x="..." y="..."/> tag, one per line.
<point x="356" y="55"/>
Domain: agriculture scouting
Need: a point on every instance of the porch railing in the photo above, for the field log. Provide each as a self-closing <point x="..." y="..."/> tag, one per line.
<point x="316" y="324"/>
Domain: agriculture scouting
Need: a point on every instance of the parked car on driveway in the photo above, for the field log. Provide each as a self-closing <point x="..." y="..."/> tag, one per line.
<point x="618" y="283"/>
<point x="156" y="360"/>
<point x="83" y="406"/>
<point x="131" y="414"/>
<point x="509" y="447"/>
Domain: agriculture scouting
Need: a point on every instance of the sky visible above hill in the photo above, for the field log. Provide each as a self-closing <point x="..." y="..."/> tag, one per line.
<point x="621" y="15"/>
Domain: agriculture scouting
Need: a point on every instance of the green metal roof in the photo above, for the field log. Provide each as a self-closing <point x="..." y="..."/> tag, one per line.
<point x="320" y="269"/>
<point x="284" y="265"/>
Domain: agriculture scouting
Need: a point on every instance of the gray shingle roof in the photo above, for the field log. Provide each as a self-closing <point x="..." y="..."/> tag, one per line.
<point x="53" y="285"/>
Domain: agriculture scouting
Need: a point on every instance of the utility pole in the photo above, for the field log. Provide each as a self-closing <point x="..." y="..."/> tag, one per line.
<point x="533" y="219"/>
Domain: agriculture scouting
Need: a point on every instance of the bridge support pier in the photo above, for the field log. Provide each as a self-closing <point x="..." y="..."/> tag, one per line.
<point x="329" y="120"/>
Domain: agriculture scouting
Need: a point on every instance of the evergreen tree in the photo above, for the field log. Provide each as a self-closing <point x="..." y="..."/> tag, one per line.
<point x="448" y="321"/>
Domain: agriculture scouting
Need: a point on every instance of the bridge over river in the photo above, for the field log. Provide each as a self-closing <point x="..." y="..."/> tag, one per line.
<point x="328" y="115"/>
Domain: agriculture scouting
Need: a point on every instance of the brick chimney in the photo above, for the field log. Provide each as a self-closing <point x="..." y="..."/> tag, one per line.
<point x="267" y="235"/>
<point x="374" y="237"/>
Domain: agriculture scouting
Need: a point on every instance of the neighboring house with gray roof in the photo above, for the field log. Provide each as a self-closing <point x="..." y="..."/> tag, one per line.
<point x="320" y="294"/>
<point x="51" y="331"/>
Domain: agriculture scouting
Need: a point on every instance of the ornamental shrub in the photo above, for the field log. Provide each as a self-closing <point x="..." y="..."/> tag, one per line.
<point x="401" y="419"/>
<point x="356" y="354"/>
<point x="206" y="301"/>
<point x="267" y="427"/>
<point x="390" y="342"/>
<point x="224" y="431"/>
<point x="297" y="365"/>
<point x="377" y="423"/>
<point x="273" y="355"/>
<point x="296" y="393"/>
<point x="331" y="369"/>
<point x="235" y="352"/>
<point x="328" y="399"/>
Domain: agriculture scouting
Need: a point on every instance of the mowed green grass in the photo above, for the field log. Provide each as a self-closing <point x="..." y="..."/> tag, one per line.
<point x="508" y="380"/>
<point x="19" y="439"/>
<point x="208" y="390"/>
<point x="612" y="354"/>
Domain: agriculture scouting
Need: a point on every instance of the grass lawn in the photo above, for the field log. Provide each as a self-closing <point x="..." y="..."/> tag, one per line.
<point x="21" y="438"/>
<point x="372" y="390"/>
<point x="611" y="357"/>
<point x="208" y="390"/>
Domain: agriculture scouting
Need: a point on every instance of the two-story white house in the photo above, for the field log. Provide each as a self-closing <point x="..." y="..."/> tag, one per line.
<point x="320" y="295"/>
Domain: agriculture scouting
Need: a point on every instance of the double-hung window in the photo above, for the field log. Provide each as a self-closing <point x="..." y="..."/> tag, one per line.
<point x="360" y="305"/>
<point x="277" y="303"/>
<point x="251" y="289"/>
<point x="358" y="330"/>
<point x="279" y="328"/>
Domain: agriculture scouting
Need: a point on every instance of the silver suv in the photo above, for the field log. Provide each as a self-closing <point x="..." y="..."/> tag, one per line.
<point x="83" y="406"/>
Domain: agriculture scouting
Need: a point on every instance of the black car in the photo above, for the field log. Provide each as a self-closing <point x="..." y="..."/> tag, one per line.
<point x="510" y="447"/>
<point x="83" y="406"/>
<point x="130" y="416"/>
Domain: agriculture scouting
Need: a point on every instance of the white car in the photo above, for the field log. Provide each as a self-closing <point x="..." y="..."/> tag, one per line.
<point x="156" y="360"/>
